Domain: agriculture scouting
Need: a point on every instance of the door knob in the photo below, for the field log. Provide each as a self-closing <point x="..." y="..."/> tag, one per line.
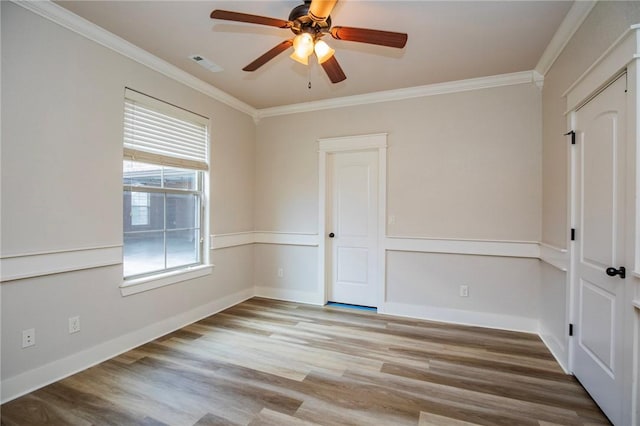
<point x="612" y="272"/>
<point x="331" y="235"/>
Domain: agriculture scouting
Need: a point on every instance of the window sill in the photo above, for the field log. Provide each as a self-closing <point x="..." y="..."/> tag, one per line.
<point x="139" y="285"/>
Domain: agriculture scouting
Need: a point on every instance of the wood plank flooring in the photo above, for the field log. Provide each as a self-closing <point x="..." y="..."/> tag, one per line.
<point x="267" y="362"/>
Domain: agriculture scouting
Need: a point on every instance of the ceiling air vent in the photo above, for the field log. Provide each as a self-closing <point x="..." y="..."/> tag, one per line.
<point x="205" y="63"/>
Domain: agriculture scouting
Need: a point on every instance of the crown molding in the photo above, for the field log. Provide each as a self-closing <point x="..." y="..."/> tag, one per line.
<point x="63" y="17"/>
<point x="407" y="93"/>
<point x="575" y="17"/>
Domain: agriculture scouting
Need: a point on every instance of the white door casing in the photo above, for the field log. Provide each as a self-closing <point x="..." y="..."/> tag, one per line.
<point x="352" y="222"/>
<point x="329" y="149"/>
<point x="599" y="299"/>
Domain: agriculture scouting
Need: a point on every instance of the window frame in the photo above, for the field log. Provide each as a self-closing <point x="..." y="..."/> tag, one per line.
<point x="198" y="210"/>
<point x="134" y="284"/>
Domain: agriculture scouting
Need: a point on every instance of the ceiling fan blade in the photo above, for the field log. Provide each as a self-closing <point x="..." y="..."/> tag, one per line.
<point x="321" y="9"/>
<point x="364" y="35"/>
<point x="333" y="70"/>
<point x="268" y="56"/>
<point x="252" y="19"/>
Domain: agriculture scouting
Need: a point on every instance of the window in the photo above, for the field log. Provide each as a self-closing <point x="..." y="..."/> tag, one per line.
<point x="164" y="166"/>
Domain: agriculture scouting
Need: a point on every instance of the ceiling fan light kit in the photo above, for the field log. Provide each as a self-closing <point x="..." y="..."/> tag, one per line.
<point x="303" y="46"/>
<point x="310" y="22"/>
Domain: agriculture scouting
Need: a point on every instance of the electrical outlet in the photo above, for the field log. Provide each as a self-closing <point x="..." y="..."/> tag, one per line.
<point x="280" y="272"/>
<point x="74" y="325"/>
<point x="464" y="291"/>
<point x="28" y="337"/>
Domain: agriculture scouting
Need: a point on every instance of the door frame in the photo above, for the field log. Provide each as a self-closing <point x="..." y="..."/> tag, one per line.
<point x="624" y="54"/>
<point x="326" y="146"/>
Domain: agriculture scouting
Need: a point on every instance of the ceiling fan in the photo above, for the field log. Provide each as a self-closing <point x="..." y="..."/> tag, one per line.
<point x="310" y="22"/>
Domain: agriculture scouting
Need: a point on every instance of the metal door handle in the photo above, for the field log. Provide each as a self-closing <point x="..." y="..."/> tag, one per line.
<point x="612" y="272"/>
<point x="331" y="235"/>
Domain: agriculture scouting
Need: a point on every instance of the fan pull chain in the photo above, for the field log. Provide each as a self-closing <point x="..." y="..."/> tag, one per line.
<point x="309" y="77"/>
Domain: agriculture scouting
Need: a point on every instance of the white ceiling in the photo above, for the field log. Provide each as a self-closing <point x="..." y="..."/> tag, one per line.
<point x="448" y="41"/>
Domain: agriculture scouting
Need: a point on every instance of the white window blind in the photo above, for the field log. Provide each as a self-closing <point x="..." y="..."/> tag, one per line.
<point x="161" y="133"/>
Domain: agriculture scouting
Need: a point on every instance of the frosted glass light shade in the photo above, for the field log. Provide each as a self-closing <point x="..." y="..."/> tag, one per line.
<point x="323" y="51"/>
<point x="302" y="48"/>
<point x="304" y="60"/>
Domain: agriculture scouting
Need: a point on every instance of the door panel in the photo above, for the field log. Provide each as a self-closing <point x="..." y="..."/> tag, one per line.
<point x="352" y="265"/>
<point x="599" y="183"/>
<point x="596" y="337"/>
<point x="352" y="197"/>
<point x="353" y="218"/>
<point x="600" y="177"/>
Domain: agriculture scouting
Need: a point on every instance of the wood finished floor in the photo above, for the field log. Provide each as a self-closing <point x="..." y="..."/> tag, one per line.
<point x="267" y="362"/>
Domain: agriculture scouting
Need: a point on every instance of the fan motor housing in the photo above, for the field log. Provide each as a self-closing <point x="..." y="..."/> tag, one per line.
<point x="302" y="23"/>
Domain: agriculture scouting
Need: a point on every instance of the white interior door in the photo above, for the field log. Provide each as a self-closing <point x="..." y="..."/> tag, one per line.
<point x="599" y="299"/>
<point x="352" y="227"/>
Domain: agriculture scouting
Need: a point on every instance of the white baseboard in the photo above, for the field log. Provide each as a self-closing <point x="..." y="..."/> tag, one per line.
<point x="290" y="295"/>
<point x="458" y="316"/>
<point x="31" y="380"/>
<point x="556" y="349"/>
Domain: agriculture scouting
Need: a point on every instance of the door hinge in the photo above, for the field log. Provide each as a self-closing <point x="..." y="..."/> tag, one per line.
<point x="570" y="329"/>
<point x="573" y="234"/>
<point x="573" y="136"/>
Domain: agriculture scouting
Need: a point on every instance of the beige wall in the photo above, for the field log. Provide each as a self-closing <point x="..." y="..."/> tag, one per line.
<point x="463" y="165"/>
<point x="498" y="286"/>
<point x="460" y="166"/>
<point x="298" y="264"/>
<point x="62" y="112"/>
